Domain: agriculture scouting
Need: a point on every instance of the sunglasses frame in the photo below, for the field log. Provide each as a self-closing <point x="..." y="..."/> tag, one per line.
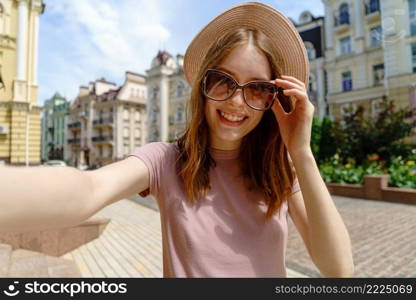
<point x="237" y="86"/>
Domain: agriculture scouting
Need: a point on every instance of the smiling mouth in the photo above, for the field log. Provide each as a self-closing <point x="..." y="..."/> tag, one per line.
<point x="230" y="120"/>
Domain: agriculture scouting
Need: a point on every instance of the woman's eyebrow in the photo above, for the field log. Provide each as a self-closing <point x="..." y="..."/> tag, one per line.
<point x="233" y="74"/>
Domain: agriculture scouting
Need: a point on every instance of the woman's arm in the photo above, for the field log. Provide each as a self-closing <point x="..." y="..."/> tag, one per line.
<point x="36" y="198"/>
<point x="318" y="221"/>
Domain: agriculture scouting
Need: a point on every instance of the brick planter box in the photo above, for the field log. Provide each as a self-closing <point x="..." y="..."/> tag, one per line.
<point x="56" y="242"/>
<point x="375" y="188"/>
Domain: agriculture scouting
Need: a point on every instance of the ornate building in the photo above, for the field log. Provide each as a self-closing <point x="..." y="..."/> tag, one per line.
<point x="168" y="94"/>
<point x="20" y="128"/>
<point x="54" y="115"/>
<point x="106" y="122"/>
<point x="370" y="53"/>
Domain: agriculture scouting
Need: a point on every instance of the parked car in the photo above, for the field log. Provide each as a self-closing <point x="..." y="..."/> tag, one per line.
<point x="94" y="166"/>
<point x="83" y="167"/>
<point x="55" y="163"/>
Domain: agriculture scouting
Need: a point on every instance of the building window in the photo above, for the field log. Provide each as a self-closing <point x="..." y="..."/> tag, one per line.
<point x="180" y="89"/>
<point x="346" y="81"/>
<point x="126" y="149"/>
<point x="179" y="114"/>
<point x="1" y="18"/>
<point x="345" y="45"/>
<point x="137" y="133"/>
<point x="305" y="17"/>
<point x="126" y="114"/>
<point x="343" y="15"/>
<point x="372" y="6"/>
<point x="137" y="116"/>
<point x="126" y="132"/>
<point x="376" y="107"/>
<point x="155" y="92"/>
<point x="375" y="36"/>
<point x="412" y="16"/>
<point x="378" y="71"/>
<point x="310" y="49"/>
<point x="414" y="57"/>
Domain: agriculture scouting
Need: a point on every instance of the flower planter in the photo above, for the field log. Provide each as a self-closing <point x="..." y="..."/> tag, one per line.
<point x="375" y="188"/>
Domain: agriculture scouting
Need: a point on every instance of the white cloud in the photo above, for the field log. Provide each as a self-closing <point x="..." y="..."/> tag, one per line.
<point x="97" y="39"/>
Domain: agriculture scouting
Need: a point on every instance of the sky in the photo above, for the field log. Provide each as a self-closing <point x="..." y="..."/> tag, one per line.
<point x="84" y="40"/>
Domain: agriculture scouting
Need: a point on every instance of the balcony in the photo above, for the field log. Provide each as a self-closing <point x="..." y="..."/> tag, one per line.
<point x="74" y="141"/>
<point x="341" y="24"/>
<point x="102" y="122"/>
<point x="103" y="139"/>
<point x="75" y="125"/>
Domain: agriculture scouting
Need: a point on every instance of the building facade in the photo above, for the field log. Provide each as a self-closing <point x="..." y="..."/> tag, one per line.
<point x="311" y="30"/>
<point x="20" y="125"/>
<point x="106" y="122"/>
<point x="167" y="98"/>
<point x="54" y="127"/>
<point x="370" y="54"/>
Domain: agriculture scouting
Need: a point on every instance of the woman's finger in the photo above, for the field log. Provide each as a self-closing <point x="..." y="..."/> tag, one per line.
<point x="296" y="92"/>
<point x="287" y="84"/>
<point x="294" y="79"/>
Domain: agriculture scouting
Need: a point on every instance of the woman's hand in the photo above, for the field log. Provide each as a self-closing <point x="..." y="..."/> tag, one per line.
<point x="295" y="126"/>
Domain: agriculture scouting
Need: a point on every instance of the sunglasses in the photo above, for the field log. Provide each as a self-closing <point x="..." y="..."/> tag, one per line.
<point x="220" y="86"/>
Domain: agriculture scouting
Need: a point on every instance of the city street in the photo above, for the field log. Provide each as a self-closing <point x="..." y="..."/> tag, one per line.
<point x="381" y="235"/>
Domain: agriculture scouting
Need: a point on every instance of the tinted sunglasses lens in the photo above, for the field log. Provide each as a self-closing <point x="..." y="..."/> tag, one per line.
<point x="218" y="86"/>
<point x="260" y="94"/>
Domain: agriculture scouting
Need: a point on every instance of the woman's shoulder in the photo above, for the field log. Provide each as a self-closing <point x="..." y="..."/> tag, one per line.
<point x="160" y="147"/>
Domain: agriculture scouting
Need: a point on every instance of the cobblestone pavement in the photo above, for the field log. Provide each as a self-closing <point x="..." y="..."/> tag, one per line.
<point x="383" y="237"/>
<point x="130" y="246"/>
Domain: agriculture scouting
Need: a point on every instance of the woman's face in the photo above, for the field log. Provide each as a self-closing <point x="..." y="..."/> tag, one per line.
<point x="245" y="63"/>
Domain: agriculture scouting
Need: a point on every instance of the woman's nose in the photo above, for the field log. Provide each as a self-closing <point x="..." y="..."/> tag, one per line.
<point x="238" y="98"/>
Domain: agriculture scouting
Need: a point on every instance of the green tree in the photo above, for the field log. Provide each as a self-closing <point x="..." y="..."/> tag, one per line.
<point x="359" y="136"/>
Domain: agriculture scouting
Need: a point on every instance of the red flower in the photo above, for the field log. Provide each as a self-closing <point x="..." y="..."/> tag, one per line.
<point x="373" y="157"/>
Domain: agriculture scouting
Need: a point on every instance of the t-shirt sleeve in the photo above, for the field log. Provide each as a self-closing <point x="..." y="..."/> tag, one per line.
<point x="154" y="156"/>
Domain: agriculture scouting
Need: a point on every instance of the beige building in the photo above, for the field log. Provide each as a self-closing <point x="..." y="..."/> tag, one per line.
<point x="370" y="53"/>
<point x="168" y="94"/>
<point x="20" y="127"/>
<point x="107" y="122"/>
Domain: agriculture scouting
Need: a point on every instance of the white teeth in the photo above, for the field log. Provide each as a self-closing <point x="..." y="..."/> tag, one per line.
<point x="231" y="117"/>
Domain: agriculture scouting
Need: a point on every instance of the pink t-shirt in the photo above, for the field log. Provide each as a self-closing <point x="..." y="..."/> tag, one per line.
<point x="226" y="235"/>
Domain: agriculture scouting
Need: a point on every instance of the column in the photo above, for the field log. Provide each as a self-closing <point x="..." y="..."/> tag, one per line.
<point x="164" y="108"/>
<point x="35" y="48"/>
<point x="329" y="25"/>
<point x="358" y="16"/>
<point x="22" y="39"/>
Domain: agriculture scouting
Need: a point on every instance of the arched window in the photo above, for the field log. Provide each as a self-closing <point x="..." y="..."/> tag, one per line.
<point x="305" y="17"/>
<point x="344" y="15"/>
<point x="311" y="50"/>
<point x="179" y="114"/>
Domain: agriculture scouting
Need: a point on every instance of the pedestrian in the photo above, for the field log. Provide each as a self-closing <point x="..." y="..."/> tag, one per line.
<point x="226" y="186"/>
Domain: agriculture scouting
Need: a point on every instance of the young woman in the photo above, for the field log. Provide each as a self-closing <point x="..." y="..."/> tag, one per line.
<point x="225" y="188"/>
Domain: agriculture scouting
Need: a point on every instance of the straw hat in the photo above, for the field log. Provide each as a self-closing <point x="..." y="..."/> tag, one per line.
<point x="255" y="15"/>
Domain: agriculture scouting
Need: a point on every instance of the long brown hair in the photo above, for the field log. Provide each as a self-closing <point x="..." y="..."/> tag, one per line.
<point x="263" y="157"/>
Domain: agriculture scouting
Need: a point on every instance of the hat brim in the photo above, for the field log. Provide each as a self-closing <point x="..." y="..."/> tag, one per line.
<point x="280" y="30"/>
